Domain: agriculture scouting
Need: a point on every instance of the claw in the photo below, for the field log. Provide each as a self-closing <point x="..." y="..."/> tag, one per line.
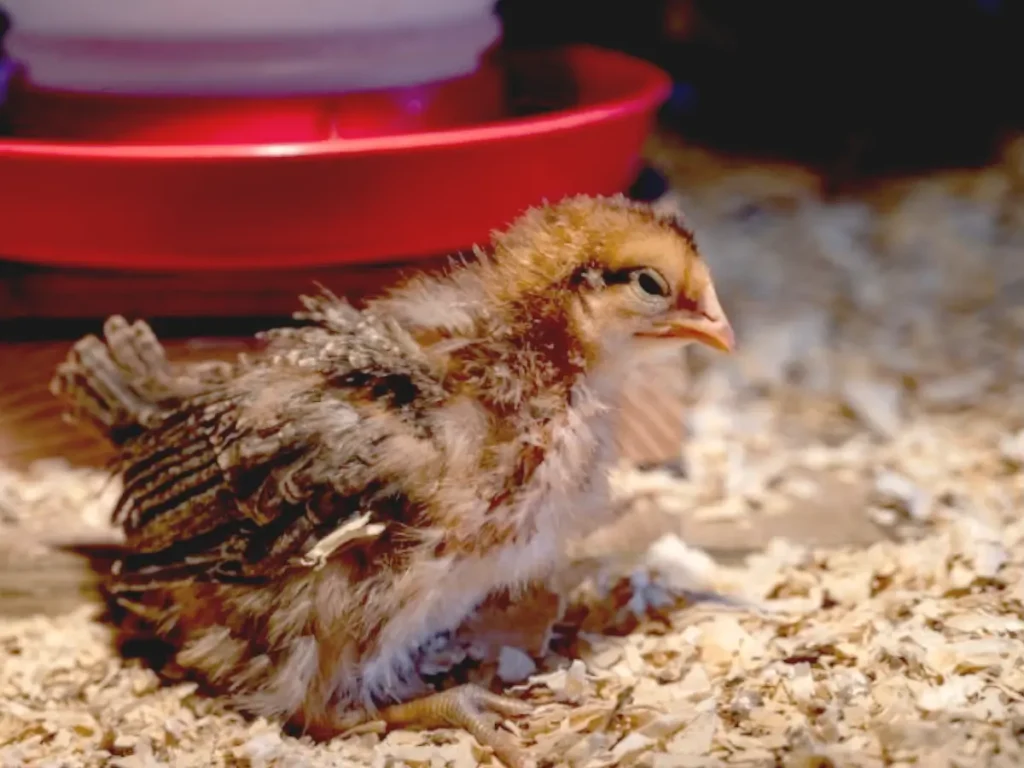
<point x="472" y="709"/>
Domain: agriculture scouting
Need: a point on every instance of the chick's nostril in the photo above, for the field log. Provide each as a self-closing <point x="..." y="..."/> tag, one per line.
<point x="687" y="304"/>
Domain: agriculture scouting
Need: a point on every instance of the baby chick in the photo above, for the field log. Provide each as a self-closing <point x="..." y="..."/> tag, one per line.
<point x="301" y="524"/>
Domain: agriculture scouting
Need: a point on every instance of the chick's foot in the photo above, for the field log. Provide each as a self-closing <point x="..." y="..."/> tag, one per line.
<point x="470" y="708"/>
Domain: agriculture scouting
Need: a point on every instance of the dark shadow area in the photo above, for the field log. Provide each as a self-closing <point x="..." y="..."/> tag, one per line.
<point x="856" y="87"/>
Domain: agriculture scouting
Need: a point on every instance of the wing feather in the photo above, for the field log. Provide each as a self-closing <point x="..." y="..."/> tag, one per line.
<point x="250" y="474"/>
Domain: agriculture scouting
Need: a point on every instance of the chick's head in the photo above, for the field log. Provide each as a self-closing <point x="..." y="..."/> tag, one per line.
<point x="618" y="269"/>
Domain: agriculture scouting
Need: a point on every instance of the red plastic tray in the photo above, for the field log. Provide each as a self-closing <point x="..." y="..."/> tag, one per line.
<point x="251" y="206"/>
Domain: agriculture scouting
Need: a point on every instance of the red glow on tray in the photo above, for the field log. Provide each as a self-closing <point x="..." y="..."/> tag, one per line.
<point x="204" y="120"/>
<point x="175" y="205"/>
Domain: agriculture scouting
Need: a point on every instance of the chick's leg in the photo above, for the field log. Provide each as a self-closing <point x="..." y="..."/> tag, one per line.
<point x="470" y="708"/>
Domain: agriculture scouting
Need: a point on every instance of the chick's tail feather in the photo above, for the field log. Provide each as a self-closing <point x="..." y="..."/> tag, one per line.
<point x="117" y="384"/>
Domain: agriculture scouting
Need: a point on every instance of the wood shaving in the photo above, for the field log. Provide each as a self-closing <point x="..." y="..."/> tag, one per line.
<point x="356" y="529"/>
<point x="769" y="614"/>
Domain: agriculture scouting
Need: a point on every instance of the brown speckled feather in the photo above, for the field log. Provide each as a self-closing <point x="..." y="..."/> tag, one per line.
<point x="236" y="477"/>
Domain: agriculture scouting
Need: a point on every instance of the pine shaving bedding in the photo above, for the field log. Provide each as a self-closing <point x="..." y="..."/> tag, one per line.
<point x="877" y="400"/>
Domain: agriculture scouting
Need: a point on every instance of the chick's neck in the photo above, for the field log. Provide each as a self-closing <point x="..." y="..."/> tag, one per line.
<point x="523" y="354"/>
<point x="525" y="357"/>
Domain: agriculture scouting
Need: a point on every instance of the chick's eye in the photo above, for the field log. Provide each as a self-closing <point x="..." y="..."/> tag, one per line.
<point x="651" y="283"/>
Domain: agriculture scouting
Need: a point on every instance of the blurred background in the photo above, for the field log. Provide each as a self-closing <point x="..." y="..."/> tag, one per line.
<point x="853" y="88"/>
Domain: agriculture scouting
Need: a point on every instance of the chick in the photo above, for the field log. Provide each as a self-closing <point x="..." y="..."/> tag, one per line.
<point x="301" y="524"/>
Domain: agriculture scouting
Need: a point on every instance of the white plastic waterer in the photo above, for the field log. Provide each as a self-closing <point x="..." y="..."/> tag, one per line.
<point x="246" y="47"/>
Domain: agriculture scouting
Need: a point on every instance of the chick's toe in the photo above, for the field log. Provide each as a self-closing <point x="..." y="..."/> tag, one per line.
<point x="471" y="708"/>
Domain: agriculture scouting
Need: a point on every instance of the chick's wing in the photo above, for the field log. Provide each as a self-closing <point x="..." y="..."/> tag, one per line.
<point x="323" y="435"/>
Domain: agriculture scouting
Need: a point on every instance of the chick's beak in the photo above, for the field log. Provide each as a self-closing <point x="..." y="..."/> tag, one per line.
<point x="707" y="324"/>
